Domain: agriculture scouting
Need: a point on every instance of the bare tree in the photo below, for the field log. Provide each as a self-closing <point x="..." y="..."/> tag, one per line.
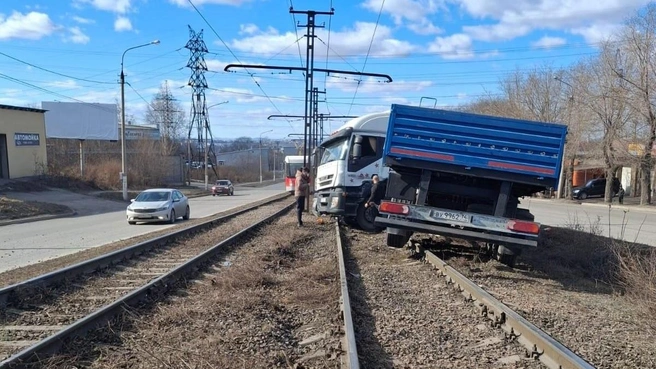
<point x="167" y="114"/>
<point x="639" y="72"/>
<point x="129" y="118"/>
<point x="604" y="97"/>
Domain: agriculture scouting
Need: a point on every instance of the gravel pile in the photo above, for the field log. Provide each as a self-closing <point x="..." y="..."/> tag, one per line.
<point x="585" y="314"/>
<point x="73" y="300"/>
<point x="271" y="302"/>
<point x="407" y="317"/>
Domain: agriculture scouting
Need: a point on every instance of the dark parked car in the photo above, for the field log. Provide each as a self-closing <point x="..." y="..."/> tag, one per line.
<point x="595" y="187"/>
<point x="223" y="186"/>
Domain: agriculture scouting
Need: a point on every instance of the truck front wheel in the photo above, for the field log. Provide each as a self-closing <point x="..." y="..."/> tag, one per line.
<point x="365" y="218"/>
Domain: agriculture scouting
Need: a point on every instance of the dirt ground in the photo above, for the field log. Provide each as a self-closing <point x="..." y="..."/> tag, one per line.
<point x="16" y="209"/>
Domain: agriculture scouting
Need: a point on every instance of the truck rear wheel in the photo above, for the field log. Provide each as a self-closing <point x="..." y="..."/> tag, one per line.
<point x="396" y="240"/>
<point x="507" y="256"/>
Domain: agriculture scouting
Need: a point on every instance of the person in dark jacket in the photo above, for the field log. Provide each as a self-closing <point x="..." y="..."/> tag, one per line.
<point x="301" y="192"/>
<point x="374" y="196"/>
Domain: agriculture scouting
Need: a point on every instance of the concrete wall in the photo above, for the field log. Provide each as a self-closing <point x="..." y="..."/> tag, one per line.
<point x="25" y="157"/>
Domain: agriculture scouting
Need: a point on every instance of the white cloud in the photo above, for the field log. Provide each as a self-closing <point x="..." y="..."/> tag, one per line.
<point x="77" y="36"/>
<point x="31" y="26"/>
<point x="83" y="20"/>
<point x="458" y="46"/>
<point x="371" y="85"/>
<point x="598" y="32"/>
<point x="591" y="19"/>
<point x="243" y="95"/>
<point x="122" y="24"/>
<point x="413" y="13"/>
<point x="248" y="29"/>
<point x="548" y="42"/>
<point x="65" y="84"/>
<point x="106" y="97"/>
<point x="114" y="6"/>
<point x="348" y="42"/>
<point x="185" y="3"/>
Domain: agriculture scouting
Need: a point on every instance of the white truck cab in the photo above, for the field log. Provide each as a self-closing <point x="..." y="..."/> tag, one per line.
<point x="347" y="161"/>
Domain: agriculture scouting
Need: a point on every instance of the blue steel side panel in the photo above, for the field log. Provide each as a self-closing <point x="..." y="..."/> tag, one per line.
<point x="528" y="148"/>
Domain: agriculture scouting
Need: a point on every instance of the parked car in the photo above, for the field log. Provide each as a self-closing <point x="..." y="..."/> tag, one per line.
<point x="595" y="188"/>
<point x="158" y="205"/>
<point x="223" y="186"/>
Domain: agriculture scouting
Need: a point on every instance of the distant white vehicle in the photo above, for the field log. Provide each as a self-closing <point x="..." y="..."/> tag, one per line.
<point x="158" y="205"/>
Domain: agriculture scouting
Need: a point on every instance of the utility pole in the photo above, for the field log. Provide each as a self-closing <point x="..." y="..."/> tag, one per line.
<point x="310" y="95"/>
<point x="199" y="116"/>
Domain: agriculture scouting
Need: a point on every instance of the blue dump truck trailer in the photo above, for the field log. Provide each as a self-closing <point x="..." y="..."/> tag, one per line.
<point x="461" y="175"/>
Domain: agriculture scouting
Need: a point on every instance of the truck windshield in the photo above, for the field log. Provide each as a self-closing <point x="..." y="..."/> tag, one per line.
<point x="334" y="150"/>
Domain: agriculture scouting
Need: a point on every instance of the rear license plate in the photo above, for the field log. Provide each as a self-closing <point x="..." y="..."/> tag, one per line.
<point x="451" y="216"/>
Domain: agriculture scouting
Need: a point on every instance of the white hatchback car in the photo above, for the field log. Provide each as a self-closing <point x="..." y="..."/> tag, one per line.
<point x="158" y="205"/>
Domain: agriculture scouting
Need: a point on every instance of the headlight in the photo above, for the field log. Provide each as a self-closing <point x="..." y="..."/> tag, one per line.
<point x="130" y="207"/>
<point x="214" y="188"/>
<point x="577" y="191"/>
<point x="162" y="208"/>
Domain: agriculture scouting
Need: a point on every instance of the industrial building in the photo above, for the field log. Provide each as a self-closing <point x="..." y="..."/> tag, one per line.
<point x="22" y="142"/>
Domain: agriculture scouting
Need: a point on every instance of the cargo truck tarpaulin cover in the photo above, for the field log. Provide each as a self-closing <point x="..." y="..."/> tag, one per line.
<point x="26" y="139"/>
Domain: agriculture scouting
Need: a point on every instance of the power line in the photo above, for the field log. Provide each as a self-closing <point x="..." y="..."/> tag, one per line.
<point x="12" y="79"/>
<point x="373" y="36"/>
<point x="235" y="56"/>
<point x="53" y="72"/>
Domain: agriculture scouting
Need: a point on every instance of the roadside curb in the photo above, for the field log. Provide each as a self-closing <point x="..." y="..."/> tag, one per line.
<point x="624" y="207"/>
<point x="37" y="218"/>
<point x="615" y="205"/>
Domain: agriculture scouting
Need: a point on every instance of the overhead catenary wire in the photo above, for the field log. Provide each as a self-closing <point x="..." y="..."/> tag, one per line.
<point x="373" y="37"/>
<point x="300" y="55"/>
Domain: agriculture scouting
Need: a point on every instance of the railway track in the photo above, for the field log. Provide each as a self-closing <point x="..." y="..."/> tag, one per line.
<point x="46" y="315"/>
<point x="60" y="310"/>
<point x="539" y="345"/>
<point x="40" y="313"/>
<point x="407" y="317"/>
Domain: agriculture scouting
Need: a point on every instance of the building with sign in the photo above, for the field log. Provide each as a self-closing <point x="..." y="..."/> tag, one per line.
<point x="22" y="142"/>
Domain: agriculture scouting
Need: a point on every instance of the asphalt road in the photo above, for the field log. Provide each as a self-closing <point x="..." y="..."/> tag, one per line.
<point x="98" y="222"/>
<point x="634" y="224"/>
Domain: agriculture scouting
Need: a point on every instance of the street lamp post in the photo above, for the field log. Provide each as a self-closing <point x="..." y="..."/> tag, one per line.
<point x="124" y="177"/>
<point x="561" y="181"/>
<point x="261" y="152"/>
<point x="208" y="147"/>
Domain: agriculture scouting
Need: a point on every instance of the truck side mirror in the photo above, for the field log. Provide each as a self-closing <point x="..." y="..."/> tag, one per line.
<point x="357" y="147"/>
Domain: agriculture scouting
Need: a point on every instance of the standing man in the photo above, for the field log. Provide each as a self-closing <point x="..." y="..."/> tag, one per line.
<point x="300" y="192"/>
<point x="374" y="196"/>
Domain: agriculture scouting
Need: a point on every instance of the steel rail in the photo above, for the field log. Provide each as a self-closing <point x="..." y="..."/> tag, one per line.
<point x="106" y="260"/>
<point x="351" y="358"/>
<point x="52" y="343"/>
<point x="539" y="345"/>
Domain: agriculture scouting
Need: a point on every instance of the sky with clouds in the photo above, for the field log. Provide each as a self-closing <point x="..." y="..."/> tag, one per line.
<point x="450" y="50"/>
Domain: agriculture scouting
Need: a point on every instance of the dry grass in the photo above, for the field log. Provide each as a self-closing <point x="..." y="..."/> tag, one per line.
<point x="637" y="275"/>
<point x="579" y="257"/>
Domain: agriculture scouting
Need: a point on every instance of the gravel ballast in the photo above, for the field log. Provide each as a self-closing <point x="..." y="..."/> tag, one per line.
<point x="269" y="302"/>
<point x="406" y="316"/>
<point x="563" y="298"/>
